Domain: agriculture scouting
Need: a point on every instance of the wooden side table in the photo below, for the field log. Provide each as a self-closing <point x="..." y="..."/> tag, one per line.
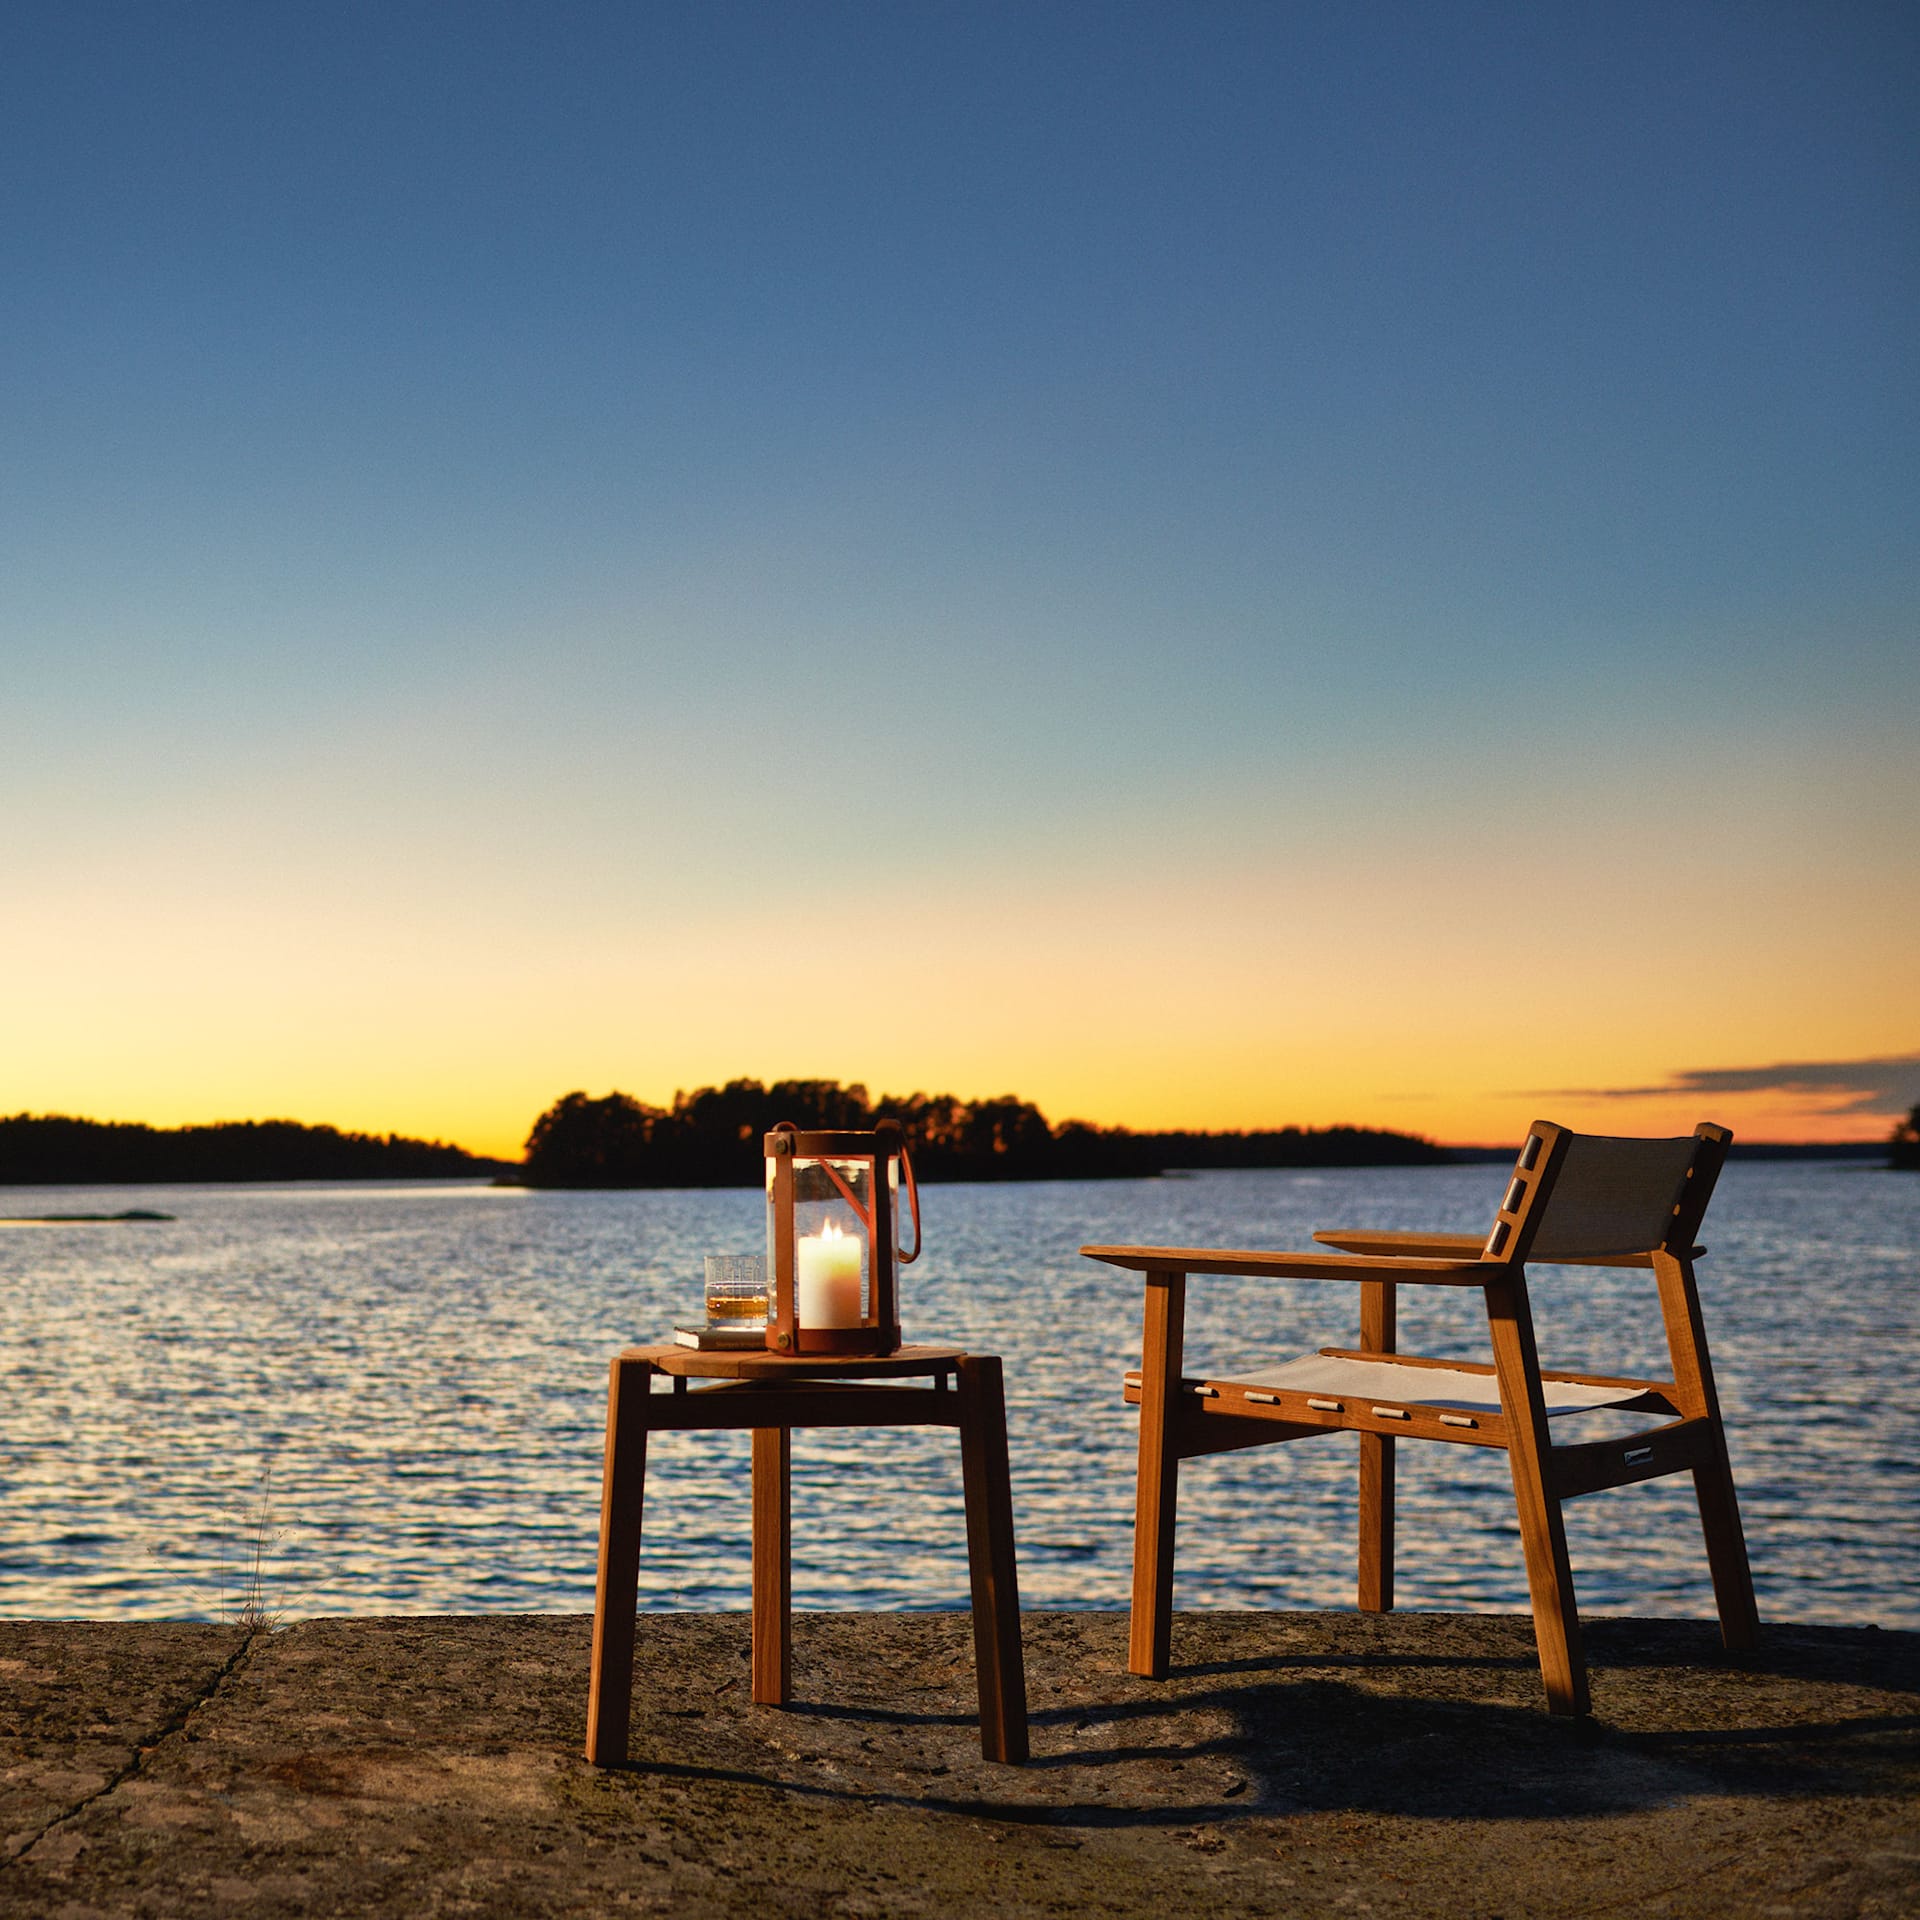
<point x="772" y="1394"/>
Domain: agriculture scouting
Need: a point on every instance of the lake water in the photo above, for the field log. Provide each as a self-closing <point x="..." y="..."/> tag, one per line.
<point x="397" y="1395"/>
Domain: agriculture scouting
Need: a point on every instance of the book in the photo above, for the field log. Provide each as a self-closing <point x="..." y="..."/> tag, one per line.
<point x="718" y="1337"/>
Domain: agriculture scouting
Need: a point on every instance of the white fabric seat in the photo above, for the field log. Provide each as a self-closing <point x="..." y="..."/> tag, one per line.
<point x="1385" y="1381"/>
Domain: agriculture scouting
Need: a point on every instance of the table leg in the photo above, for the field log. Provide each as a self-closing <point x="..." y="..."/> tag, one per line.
<point x="998" y="1660"/>
<point x="772" y="1565"/>
<point x="617" y="1589"/>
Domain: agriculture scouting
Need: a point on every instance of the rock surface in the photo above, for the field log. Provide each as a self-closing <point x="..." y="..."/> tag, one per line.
<point x="1295" y="1763"/>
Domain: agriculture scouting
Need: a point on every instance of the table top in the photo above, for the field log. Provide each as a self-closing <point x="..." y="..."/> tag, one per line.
<point x="751" y="1363"/>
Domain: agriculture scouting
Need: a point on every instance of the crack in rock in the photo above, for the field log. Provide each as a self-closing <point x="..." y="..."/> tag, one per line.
<point x="143" y="1749"/>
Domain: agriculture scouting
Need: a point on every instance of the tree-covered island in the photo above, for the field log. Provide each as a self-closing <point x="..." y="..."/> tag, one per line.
<point x="51" y="1149"/>
<point x="712" y="1138"/>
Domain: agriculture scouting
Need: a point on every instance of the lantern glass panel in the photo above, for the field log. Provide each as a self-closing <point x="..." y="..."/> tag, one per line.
<point x="833" y="1254"/>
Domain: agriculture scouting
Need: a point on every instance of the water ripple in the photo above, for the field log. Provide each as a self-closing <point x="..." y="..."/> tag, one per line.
<point x="395" y="1396"/>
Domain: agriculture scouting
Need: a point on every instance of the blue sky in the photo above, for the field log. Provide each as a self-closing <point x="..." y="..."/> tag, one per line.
<point x="483" y="467"/>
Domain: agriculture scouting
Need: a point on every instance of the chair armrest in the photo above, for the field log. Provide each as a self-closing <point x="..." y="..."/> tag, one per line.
<point x="1297" y="1266"/>
<point x="1431" y="1246"/>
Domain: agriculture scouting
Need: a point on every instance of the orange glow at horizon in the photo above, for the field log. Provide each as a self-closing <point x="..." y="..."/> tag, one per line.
<point x="378" y="1012"/>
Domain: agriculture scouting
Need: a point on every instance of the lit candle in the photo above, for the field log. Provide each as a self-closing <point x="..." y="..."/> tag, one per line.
<point x="828" y="1293"/>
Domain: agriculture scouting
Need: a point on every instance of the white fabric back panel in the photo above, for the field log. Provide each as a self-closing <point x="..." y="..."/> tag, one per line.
<point x="1612" y="1196"/>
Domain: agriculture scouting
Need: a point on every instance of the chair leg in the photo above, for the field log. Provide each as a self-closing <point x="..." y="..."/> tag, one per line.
<point x="1712" y="1484"/>
<point x="1150" y="1634"/>
<point x="617" y="1589"/>
<point x="1726" y="1549"/>
<point x="1556" y="1613"/>
<point x="1377" y="1335"/>
<point x="772" y="1566"/>
<point x="1376" y="1523"/>
<point x="998" y="1658"/>
<point x="1543" y="1533"/>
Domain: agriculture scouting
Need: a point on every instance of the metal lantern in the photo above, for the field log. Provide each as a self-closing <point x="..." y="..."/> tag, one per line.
<point x="832" y="1259"/>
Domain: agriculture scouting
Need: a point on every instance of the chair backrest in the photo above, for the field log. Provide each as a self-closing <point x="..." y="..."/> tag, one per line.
<point x="1592" y="1196"/>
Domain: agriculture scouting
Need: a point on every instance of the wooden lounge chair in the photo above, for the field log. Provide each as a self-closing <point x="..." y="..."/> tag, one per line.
<point x="1575" y="1199"/>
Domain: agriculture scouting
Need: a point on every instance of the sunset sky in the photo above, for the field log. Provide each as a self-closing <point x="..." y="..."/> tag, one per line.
<point x="1205" y="565"/>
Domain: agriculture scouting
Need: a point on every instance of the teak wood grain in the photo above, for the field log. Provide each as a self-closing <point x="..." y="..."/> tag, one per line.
<point x="1157" y="1480"/>
<point x="772" y="1565"/>
<point x="1253" y="1264"/>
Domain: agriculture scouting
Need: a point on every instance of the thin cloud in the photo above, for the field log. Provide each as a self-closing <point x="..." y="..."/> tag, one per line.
<point x="1887" y="1085"/>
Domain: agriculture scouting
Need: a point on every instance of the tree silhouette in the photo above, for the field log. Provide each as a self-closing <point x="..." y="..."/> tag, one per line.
<point x="579" y="1142"/>
<point x="58" y="1149"/>
<point x="712" y="1137"/>
<point x="1903" y="1150"/>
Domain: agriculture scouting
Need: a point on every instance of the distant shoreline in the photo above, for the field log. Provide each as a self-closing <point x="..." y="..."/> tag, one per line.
<point x="54" y="1150"/>
<point x="61" y="1150"/>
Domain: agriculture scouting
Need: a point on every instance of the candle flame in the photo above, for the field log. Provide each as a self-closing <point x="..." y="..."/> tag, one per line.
<point x="831" y="1232"/>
